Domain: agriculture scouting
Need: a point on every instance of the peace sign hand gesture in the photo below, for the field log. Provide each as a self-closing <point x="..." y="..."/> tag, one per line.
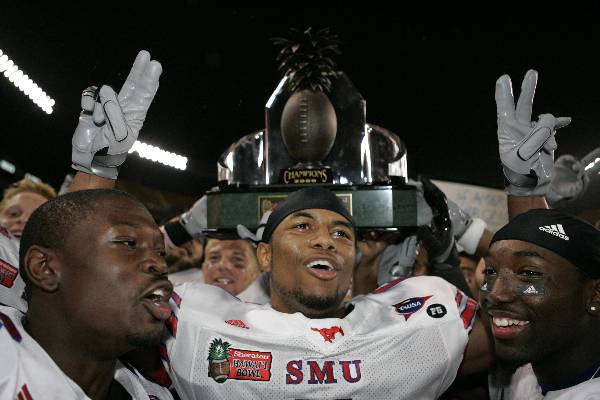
<point x="109" y="124"/>
<point x="526" y="147"/>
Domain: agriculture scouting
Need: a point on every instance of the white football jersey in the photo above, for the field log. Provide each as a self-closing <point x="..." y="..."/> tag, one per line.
<point x="524" y="385"/>
<point x="588" y="390"/>
<point x="27" y="372"/>
<point x="405" y="341"/>
<point x="11" y="283"/>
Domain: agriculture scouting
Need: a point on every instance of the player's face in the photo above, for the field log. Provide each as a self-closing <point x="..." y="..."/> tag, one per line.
<point x="230" y="264"/>
<point x="17" y="210"/>
<point x="532" y="327"/>
<point x="186" y="256"/>
<point x="311" y="258"/>
<point x="114" y="276"/>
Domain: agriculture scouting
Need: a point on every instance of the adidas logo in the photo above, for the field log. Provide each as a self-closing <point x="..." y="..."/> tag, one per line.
<point x="556" y="230"/>
<point x="530" y="290"/>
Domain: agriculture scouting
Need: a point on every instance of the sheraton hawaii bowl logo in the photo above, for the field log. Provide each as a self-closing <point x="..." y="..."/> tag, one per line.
<point x="226" y="362"/>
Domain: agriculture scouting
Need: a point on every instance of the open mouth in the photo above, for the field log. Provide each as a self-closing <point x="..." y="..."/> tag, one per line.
<point x="507" y="327"/>
<point x="322" y="269"/>
<point x="157" y="303"/>
<point x="223" y="281"/>
<point x="320" y="264"/>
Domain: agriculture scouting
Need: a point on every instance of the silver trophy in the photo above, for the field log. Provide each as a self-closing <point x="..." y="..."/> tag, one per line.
<point x="316" y="133"/>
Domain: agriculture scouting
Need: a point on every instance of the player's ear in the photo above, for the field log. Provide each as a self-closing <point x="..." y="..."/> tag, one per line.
<point x="264" y="256"/>
<point x="42" y="268"/>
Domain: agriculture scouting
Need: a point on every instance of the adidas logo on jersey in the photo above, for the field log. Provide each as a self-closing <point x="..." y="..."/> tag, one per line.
<point x="556" y="230"/>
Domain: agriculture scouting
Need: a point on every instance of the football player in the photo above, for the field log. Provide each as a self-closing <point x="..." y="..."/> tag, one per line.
<point x="96" y="288"/>
<point x="541" y="284"/>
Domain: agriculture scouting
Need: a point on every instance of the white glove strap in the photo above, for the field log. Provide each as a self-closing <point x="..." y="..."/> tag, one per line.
<point x="470" y="239"/>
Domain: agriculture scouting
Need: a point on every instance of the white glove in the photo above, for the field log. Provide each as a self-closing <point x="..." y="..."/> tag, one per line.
<point x="526" y="147"/>
<point x="467" y="231"/>
<point x="245" y="233"/>
<point x="397" y="261"/>
<point x="570" y="181"/>
<point x="195" y="219"/>
<point x="110" y="124"/>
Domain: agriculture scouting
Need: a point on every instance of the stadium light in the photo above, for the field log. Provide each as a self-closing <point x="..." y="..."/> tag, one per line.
<point x="159" y="155"/>
<point x="25" y="84"/>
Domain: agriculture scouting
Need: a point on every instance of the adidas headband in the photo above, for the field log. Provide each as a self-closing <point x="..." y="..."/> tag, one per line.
<point x="569" y="237"/>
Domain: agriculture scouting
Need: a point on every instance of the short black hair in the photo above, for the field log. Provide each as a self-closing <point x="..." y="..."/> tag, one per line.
<point x="50" y="224"/>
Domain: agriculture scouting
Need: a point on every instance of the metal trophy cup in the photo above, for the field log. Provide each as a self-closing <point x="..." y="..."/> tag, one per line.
<point x="315" y="135"/>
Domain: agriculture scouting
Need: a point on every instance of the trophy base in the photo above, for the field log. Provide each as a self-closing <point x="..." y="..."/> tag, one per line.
<point x="373" y="207"/>
<point x="305" y="175"/>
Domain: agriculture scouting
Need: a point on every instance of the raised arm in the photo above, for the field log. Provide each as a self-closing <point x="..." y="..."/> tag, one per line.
<point x="109" y="124"/>
<point x="526" y="147"/>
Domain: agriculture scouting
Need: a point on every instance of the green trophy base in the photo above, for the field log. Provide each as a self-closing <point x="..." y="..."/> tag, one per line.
<point x="372" y="206"/>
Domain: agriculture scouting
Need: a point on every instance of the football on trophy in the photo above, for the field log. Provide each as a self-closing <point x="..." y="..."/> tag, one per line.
<point x="308" y="126"/>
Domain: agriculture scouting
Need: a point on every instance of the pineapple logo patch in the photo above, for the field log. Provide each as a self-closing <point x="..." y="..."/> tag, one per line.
<point x="226" y="362"/>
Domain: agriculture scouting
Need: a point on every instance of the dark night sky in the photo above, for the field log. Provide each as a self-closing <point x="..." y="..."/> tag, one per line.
<point x="428" y="78"/>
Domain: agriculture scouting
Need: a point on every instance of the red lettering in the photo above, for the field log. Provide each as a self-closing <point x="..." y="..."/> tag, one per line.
<point x="294" y="375"/>
<point x="346" y="370"/>
<point x="317" y="375"/>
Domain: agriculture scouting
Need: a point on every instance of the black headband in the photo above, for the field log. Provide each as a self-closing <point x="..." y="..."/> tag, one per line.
<point x="303" y="199"/>
<point x="569" y="237"/>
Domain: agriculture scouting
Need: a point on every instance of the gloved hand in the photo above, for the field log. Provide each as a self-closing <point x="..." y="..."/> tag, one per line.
<point x="460" y="219"/>
<point x="194" y="220"/>
<point x="569" y="182"/>
<point x="526" y="147"/>
<point x="438" y="236"/>
<point x="245" y="233"/>
<point x="191" y="224"/>
<point x="424" y="213"/>
<point x="397" y="260"/>
<point x="109" y="124"/>
<point x="467" y="231"/>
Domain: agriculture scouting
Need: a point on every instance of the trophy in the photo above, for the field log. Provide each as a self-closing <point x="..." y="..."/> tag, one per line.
<point x="315" y="134"/>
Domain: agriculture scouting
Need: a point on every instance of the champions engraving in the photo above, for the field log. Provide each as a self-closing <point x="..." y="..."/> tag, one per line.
<point x="305" y="175"/>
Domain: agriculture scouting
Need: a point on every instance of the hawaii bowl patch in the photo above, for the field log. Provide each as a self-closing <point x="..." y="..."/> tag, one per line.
<point x="410" y="306"/>
<point x="8" y="274"/>
<point x="226" y="362"/>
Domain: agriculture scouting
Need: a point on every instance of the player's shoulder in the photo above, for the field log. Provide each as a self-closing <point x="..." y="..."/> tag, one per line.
<point x="11" y="337"/>
<point x="417" y="286"/>
<point x="209" y="299"/>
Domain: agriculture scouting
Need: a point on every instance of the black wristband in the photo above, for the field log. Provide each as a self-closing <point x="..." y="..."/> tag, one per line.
<point x="177" y="233"/>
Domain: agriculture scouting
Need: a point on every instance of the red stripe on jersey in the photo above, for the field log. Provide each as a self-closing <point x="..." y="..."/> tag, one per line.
<point x="468" y="315"/>
<point x="10" y="327"/>
<point x="172" y="325"/>
<point x="24" y="393"/>
<point x="161" y="377"/>
<point x="460" y="299"/>
<point x="388" y="286"/>
<point x="177" y="299"/>
<point x="162" y="350"/>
